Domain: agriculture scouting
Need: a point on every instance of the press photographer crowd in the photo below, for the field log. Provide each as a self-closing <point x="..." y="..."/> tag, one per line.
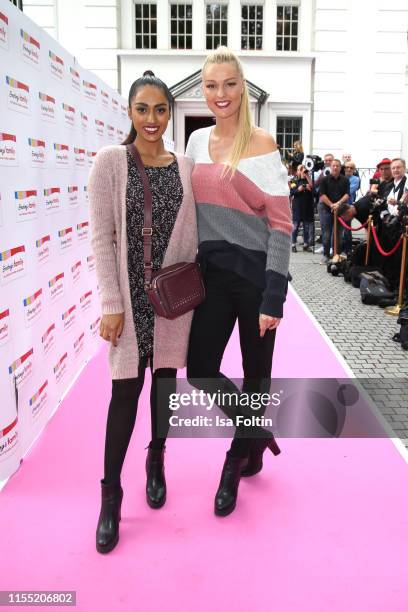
<point x="362" y="236"/>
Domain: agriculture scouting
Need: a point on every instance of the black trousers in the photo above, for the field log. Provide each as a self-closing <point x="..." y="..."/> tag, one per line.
<point x="122" y="415"/>
<point x="230" y="298"/>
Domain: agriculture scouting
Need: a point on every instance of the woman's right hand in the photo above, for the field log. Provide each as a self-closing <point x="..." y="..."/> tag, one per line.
<point x="111" y="327"/>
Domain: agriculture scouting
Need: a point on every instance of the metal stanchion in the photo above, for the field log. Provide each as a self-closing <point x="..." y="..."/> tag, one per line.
<point x="367" y="255"/>
<point x="335" y="236"/>
<point x="394" y="310"/>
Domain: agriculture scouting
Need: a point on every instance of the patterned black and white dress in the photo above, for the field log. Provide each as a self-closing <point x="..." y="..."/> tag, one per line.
<point x="167" y="194"/>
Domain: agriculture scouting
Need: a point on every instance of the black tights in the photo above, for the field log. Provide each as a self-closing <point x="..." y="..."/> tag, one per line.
<point x="122" y="415"/>
<point x="230" y="297"/>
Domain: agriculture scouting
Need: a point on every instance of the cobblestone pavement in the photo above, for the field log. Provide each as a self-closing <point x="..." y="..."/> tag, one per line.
<point x="362" y="334"/>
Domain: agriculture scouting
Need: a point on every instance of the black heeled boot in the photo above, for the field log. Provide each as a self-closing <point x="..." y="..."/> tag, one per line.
<point x="226" y="496"/>
<point x="156" y="482"/>
<point x="255" y="459"/>
<point x="107" y="531"/>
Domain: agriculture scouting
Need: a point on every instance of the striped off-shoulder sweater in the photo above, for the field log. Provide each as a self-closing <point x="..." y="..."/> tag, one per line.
<point x="244" y="222"/>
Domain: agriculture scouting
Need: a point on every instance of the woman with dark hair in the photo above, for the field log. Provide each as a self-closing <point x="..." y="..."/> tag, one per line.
<point x="137" y="337"/>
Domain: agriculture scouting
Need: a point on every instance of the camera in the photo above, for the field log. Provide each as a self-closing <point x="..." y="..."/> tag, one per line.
<point x="313" y="163"/>
<point x="375" y="181"/>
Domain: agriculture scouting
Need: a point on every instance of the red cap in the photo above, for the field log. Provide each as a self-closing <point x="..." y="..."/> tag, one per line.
<point x="384" y="162"/>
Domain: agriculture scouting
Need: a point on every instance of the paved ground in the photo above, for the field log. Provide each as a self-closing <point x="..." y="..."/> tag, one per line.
<point x="362" y="334"/>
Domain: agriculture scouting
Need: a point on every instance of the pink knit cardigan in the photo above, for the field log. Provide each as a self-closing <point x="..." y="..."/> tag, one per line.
<point x="107" y="197"/>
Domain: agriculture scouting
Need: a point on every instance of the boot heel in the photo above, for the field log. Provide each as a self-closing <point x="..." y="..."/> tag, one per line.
<point x="273" y="446"/>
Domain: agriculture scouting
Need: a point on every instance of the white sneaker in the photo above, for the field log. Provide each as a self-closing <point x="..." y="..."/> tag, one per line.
<point x="319" y="250"/>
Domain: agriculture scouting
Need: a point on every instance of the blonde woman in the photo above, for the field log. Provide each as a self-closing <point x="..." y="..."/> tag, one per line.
<point x="297" y="156"/>
<point x="244" y="224"/>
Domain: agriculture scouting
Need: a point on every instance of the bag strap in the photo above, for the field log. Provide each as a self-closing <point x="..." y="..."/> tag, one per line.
<point x="147" y="229"/>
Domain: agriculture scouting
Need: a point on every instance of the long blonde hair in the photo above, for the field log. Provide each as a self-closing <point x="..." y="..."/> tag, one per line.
<point x="223" y="55"/>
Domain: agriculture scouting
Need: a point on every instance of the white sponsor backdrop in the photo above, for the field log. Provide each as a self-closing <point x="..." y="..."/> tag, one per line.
<point x="54" y="116"/>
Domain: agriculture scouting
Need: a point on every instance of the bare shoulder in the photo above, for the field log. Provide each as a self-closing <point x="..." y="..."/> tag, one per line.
<point x="262" y="142"/>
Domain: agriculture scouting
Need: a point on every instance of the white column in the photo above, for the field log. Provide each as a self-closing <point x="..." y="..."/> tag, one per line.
<point x="163" y="24"/>
<point x="199" y="25"/>
<point x="269" y="26"/>
<point x="234" y="25"/>
<point x="126" y="25"/>
<point x="306" y="26"/>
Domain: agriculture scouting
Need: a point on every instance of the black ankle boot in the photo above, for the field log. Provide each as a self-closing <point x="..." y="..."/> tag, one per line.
<point x="107" y="531"/>
<point x="156" y="482"/>
<point x="226" y="496"/>
<point x="255" y="459"/>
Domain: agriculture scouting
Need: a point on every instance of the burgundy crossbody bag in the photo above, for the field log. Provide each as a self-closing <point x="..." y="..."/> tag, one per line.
<point x="173" y="290"/>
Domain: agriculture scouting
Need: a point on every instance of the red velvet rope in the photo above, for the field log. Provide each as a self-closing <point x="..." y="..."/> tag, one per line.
<point x="378" y="245"/>
<point x="353" y="229"/>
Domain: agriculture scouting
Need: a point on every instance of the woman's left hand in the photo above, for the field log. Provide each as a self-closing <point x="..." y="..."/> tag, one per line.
<point x="266" y="322"/>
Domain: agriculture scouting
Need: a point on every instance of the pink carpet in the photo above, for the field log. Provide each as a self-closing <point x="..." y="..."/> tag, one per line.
<point x="323" y="527"/>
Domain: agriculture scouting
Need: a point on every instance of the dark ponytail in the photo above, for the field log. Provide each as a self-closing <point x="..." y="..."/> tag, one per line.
<point x="148" y="78"/>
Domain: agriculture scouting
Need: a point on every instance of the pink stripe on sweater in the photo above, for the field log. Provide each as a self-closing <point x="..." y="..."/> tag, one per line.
<point x="240" y="193"/>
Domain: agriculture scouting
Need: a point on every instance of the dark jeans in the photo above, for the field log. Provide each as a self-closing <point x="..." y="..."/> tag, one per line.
<point x="326" y="223"/>
<point x="308" y="231"/>
<point x="230" y="298"/>
<point x="122" y="415"/>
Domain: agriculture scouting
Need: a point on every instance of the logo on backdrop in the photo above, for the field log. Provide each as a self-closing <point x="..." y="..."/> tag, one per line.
<point x="90" y="156"/>
<point x="99" y="128"/>
<point x="39" y="400"/>
<point x="73" y="200"/>
<point x="84" y="122"/>
<point x="76" y="272"/>
<point x="13" y="264"/>
<point x="90" y="260"/>
<point x="48" y="339"/>
<point x="47" y="107"/>
<point x="69" y="115"/>
<point x="94" y="328"/>
<point x="33" y="306"/>
<point x="61" y="155"/>
<point x="123" y="111"/>
<point x="37" y="152"/>
<point x="60" y="367"/>
<point x="18" y="95"/>
<point x="86" y="301"/>
<point x="4" y="31"/>
<point x="90" y="90"/>
<point x="120" y="135"/>
<point x="8" y="438"/>
<point x="52" y="199"/>
<point x="111" y="132"/>
<point x="56" y="287"/>
<point x="8" y="149"/>
<point x="115" y="105"/>
<point x="21" y="369"/>
<point x="26" y="205"/>
<point x="56" y="65"/>
<point x="4" y="326"/>
<point x="75" y="79"/>
<point x="86" y="195"/>
<point x="66" y="238"/>
<point x="83" y="231"/>
<point x="43" y="249"/>
<point x="30" y="48"/>
<point x="105" y="99"/>
<point x="79" y="345"/>
<point x="68" y="318"/>
<point x="79" y="156"/>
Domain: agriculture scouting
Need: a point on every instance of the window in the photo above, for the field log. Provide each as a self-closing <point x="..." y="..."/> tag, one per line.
<point x="217" y="25"/>
<point x="146" y="25"/>
<point x="18" y="4"/>
<point x="181" y="26"/>
<point x="288" y="129"/>
<point x="251" y="26"/>
<point x="287" y="25"/>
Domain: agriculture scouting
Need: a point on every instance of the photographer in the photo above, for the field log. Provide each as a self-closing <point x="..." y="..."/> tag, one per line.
<point x="349" y="171"/>
<point x="301" y="190"/>
<point x="382" y="180"/>
<point x="334" y="190"/>
<point x="397" y="191"/>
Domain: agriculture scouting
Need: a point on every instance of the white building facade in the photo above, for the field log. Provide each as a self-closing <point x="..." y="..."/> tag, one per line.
<point x="333" y="73"/>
